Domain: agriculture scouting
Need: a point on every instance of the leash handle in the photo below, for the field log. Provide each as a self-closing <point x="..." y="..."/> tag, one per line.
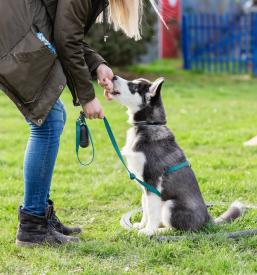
<point x="83" y="138"/>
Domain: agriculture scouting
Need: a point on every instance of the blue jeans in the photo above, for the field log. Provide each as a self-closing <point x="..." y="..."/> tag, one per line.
<point x="39" y="160"/>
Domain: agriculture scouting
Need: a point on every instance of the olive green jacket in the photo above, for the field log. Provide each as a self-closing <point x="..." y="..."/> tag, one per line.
<point x="31" y="75"/>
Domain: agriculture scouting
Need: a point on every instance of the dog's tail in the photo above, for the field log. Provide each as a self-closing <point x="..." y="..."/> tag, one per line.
<point x="235" y="210"/>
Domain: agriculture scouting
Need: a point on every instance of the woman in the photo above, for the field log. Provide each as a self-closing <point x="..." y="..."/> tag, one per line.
<point x="33" y="74"/>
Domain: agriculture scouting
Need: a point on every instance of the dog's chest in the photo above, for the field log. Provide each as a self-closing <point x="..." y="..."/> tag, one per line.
<point x="136" y="160"/>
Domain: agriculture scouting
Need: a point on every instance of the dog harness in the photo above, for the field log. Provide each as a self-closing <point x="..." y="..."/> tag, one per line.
<point x="84" y="137"/>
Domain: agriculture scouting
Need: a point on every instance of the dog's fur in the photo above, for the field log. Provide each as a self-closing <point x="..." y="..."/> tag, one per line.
<point x="150" y="149"/>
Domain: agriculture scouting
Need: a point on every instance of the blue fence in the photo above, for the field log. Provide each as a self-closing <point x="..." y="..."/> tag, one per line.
<point x="219" y="43"/>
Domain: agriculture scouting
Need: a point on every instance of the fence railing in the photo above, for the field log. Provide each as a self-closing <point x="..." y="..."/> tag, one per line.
<point x="220" y="43"/>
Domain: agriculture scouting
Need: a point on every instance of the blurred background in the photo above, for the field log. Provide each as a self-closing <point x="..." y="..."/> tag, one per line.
<point x="213" y="35"/>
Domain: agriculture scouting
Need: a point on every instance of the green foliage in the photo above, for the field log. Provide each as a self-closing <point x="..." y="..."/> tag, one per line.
<point x="119" y="50"/>
<point x="211" y="116"/>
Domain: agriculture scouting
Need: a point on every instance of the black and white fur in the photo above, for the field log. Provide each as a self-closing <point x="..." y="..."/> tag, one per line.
<point x="150" y="149"/>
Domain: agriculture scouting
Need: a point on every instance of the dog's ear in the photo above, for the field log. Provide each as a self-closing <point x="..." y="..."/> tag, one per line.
<point x="156" y="86"/>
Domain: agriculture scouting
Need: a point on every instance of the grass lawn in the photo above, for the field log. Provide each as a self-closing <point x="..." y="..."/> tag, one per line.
<point x="211" y="115"/>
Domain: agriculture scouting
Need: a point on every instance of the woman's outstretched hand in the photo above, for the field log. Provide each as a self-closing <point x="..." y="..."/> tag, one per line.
<point x="105" y="76"/>
<point x="93" y="109"/>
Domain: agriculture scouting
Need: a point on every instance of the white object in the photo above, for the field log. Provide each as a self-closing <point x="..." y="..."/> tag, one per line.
<point x="251" y="142"/>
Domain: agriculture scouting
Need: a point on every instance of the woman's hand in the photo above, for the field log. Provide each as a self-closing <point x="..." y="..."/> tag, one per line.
<point x="105" y="76"/>
<point x="93" y="109"/>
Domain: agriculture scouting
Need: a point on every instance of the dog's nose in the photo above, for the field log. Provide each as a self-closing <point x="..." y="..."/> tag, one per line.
<point x="114" y="78"/>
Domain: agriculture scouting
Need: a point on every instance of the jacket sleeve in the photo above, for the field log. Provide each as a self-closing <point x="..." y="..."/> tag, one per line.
<point x="93" y="59"/>
<point x="71" y="17"/>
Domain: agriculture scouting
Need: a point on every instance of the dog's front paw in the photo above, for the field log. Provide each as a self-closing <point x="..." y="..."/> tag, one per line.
<point x="147" y="232"/>
<point x="138" y="225"/>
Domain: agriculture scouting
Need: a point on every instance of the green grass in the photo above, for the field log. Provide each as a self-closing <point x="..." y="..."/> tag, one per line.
<point x="211" y="115"/>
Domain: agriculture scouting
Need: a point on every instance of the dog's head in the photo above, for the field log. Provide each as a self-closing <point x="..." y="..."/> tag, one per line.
<point x="136" y="94"/>
<point x="140" y="96"/>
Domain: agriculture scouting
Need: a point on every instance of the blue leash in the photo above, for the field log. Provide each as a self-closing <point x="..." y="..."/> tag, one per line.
<point x="81" y="122"/>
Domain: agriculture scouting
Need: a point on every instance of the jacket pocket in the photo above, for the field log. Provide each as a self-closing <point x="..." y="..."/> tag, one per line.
<point x="26" y="68"/>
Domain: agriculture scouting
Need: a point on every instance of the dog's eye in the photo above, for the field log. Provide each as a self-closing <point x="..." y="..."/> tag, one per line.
<point x="136" y="87"/>
<point x="133" y="87"/>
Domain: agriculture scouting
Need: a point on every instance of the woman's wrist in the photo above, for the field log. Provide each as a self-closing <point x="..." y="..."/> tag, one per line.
<point x="105" y="76"/>
<point x="101" y="67"/>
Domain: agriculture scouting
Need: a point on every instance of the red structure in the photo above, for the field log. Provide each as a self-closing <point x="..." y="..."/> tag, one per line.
<point x="170" y="39"/>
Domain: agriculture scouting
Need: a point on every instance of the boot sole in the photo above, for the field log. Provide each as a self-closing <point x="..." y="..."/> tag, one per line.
<point x="29" y="244"/>
<point x="25" y="244"/>
<point x="72" y="233"/>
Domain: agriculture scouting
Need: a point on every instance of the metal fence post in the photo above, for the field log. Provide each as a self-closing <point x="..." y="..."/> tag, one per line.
<point x="185" y="43"/>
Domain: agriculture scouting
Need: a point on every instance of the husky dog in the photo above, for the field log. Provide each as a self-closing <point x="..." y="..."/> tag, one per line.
<point x="150" y="150"/>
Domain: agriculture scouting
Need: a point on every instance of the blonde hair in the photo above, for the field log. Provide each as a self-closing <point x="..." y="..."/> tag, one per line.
<point x="126" y="15"/>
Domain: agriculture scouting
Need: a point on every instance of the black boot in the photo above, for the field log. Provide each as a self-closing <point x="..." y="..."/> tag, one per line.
<point x="56" y="223"/>
<point x="34" y="230"/>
